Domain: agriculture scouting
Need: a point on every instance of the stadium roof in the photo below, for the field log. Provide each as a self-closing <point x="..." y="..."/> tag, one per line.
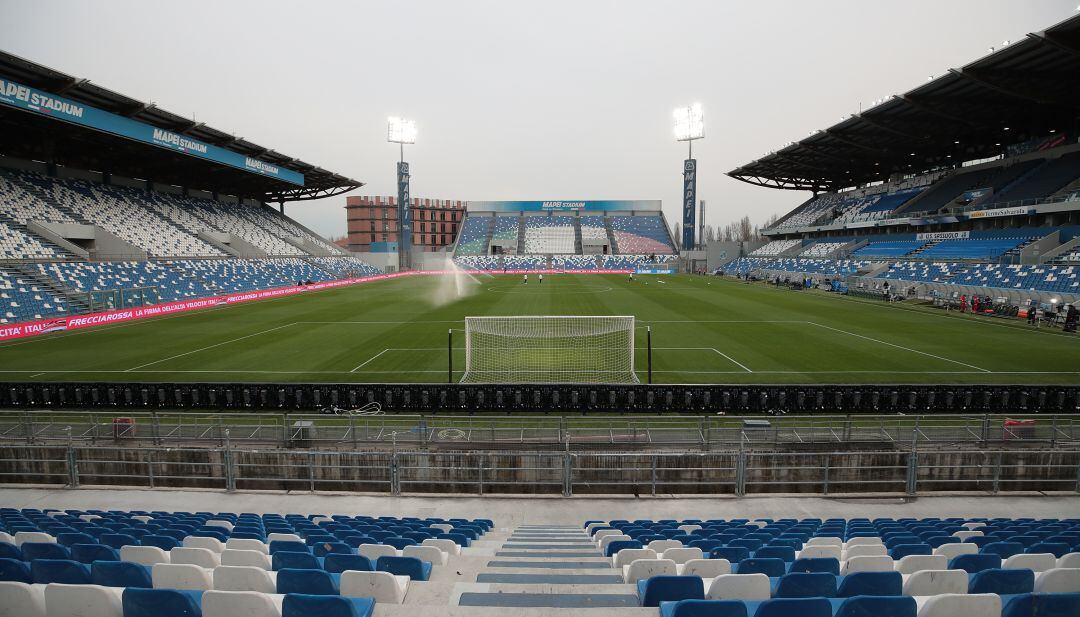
<point x="1025" y="90"/>
<point x="32" y="136"/>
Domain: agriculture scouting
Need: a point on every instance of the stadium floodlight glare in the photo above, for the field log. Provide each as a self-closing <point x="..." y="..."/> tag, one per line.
<point x="689" y="123"/>
<point x="400" y="130"/>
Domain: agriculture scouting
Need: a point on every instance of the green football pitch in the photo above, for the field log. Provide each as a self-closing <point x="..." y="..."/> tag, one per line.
<point x="704" y="330"/>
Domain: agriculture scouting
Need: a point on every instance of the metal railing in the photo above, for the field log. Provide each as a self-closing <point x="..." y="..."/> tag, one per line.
<point x="569" y="433"/>
<point x="482" y="473"/>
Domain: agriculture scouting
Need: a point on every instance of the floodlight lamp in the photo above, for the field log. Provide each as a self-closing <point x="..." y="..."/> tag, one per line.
<point x="689" y="123"/>
<point x="400" y="130"/>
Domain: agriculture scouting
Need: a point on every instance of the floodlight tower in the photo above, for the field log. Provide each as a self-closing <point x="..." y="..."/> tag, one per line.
<point x="689" y="125"/>
<point x="401" y="131"/>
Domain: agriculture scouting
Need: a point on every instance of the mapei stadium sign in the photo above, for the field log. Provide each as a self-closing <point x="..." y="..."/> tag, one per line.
<point x="32" y="100"/>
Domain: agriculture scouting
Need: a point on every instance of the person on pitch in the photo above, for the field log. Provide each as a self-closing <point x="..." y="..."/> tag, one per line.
<point x="525" y="279"/>
<point x="540" y="277"/>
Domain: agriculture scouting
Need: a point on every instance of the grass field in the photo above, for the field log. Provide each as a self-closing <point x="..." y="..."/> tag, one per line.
<point x="704" y="330"/>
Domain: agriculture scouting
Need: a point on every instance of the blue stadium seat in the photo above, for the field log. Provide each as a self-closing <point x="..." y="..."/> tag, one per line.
<point x="791" y="607"/>
<point x="44" y="550"/>
<point x="1002" y="549"/>
<point x="307" y="605"/>
<point x="877" y="606"/>
<point x="400" y="543"/>
<point x="15" y="570"/>
<point x="748" y="543"/>
<point x="657" y="589"/>
<point x="288" y="545"/>
<point x="1042" y="605"/>
<point x="69" y="538"/>
<point x="295" y="560"/>
<point x="117" y="540"/>
<point x="338" y="562"/>
<point x="10" y="551"/>
<point x="89" y="553"/>
<point x="138" y="602"/>
<point x="619" y="545"/>
<point x="830" y="565"/>
<point x="734" y="554"/>
<point x="771" y="567"/>
<point x="65" y="571"/>
<point x="120" y="574"/>
<point x="1002" y="581"/>
<point x="973" y="563"/>
<point x="785" y="553"/>
<point x="903" y="550"/>
<point x="871" y="584"/>
<point x="165" y="543"/>
<point x="412" y="567"/>
<point x="317" y="582"/>
<point x="705" y="608"/>
<point x="805" y="585"/>
<point x="456" y="538"/>
<point x="1059" y="549"/>
<point x="706" y="544"/>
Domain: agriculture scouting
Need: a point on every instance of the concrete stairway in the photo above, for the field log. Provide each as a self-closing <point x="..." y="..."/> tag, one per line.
<point x="530" y="571"/>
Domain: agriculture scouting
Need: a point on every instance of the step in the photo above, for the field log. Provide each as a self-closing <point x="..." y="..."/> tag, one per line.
<point x="407" y="610"/>
<point x="553" y="596"/>
<point x="550" y="579"/>
<point x="553" y="554"/>
<point x="551" y="564"/>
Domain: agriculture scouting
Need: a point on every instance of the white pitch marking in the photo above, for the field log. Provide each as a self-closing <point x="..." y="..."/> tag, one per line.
<point x="766" y="372"/>
<point x="899" y="346"/>
<point x="188" y="353"/>
<point x="369" y="360"/>
<point x="732" y="360"/>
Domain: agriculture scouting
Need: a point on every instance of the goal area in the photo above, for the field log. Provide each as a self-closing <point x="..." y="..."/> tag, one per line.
<point x="549" y="349"/>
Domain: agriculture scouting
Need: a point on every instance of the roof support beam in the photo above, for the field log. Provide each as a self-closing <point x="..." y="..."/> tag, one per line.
<point x="73" y="83"/>
<point x="917" y="104"/>
<point x="839" y="137"/>
<point x="822" y="152"/>
<point x="1055" y="42"/>
<point x="894" y="131"/>
<point x="1006" y="90"/>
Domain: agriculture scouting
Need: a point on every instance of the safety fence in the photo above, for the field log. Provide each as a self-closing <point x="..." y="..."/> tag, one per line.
<point x="587" y="432"/>
<point x="734" y="473"/>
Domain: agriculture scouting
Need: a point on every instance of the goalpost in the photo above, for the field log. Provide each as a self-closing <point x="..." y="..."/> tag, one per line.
<point x="549" y="349"/>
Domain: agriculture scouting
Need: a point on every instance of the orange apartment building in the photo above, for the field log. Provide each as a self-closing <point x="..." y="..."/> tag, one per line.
<point x="373" y="223"/>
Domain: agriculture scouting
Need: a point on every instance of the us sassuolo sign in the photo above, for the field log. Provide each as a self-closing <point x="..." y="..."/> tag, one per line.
<point x="42" y="103"/>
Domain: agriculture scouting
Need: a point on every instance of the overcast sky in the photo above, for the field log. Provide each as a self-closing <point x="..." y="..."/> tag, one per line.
<point x="549" y="99"/>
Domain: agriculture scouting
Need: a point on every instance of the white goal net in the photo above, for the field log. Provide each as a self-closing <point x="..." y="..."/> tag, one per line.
<point x="556" y="349"/>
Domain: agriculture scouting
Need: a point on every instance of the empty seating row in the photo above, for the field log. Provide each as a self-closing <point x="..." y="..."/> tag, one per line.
<point x="115" y="285"/>
<point x="164" y="225"/>
<point x="83" y="600"/>
<point x="547" y="235"/>
<point x="641" y="235"/>
<point x="775" y="248"/>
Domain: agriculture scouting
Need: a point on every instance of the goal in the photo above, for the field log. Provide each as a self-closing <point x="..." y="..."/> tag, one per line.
<point x="549" y="349"/>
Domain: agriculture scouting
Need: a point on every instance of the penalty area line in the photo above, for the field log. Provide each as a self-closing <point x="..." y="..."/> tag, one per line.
<point x="369" y="360"/>
<point x="900" y="347"/>
<point x="188" y="353"/>
<point x="732" y="360"/>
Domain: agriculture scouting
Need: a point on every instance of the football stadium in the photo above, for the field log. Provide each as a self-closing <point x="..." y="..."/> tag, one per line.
<point x="547" y="407"/>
